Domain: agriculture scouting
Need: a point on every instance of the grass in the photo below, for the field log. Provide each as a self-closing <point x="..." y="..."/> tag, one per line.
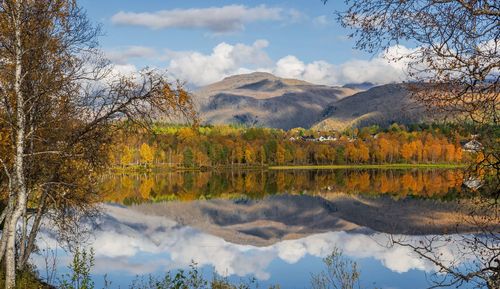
<point x="164" y="168"/>
<point x="159" y="169"/>
<point x="26" y="279"/>
<point x="381" y="166"/>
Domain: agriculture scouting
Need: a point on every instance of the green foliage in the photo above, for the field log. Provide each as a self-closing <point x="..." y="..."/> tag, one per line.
<point x="340" y="155"/>
<point x="191" y="279"/>
<point x="255" y="133"/>
<point x="26" y="279"/>
<point x="340" y="273"/>
<point x="79" y="276"/>
<point x="188" y="158"/>
<point x="395" y="127"/>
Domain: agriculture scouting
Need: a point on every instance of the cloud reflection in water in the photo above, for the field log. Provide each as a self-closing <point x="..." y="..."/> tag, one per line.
<point x="134" y="243"/>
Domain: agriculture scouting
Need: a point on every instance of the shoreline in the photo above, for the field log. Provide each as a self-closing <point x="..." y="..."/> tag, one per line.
<point x="160" y="169"/>
<point x="378" y="166"/>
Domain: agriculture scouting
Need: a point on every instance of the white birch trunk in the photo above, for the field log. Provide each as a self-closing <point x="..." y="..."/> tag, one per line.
<point x="20" y="183"/>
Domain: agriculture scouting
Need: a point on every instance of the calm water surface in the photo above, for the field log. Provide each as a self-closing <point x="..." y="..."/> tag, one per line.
<point x="189" y="185"/>
<point x="274" y="226"/>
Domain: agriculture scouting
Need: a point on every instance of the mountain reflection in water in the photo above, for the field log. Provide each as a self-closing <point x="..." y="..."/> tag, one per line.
<point x="129" y="242"/>
<point x="275" y="226"/>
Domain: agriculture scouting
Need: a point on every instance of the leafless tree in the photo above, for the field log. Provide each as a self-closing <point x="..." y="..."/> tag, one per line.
<point x="60" y="102"/>
<point x="455" y="64"/>
<point x="454" y="70"/>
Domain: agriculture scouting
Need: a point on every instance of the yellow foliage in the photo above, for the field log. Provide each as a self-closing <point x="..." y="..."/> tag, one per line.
<point x="146" y="153"/>
<point x="127" y="156"/>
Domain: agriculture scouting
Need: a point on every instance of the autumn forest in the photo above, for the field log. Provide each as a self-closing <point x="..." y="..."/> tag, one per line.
<point x="183" y="147"/>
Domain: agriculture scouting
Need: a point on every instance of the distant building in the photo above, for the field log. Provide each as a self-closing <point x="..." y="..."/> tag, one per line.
<point x="319" y="139"/>
<point x="327" y="138"/>
<point x="472" y="146"/>
<point x="308" y="138"/>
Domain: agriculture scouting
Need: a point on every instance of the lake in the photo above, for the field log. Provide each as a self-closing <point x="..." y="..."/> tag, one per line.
<point x="274" y="226"/>
<point x="256" y="184"/>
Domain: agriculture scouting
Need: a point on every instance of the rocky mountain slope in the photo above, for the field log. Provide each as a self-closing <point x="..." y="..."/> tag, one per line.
<point x="380" y="105"/>
<point x="262" y="99"/>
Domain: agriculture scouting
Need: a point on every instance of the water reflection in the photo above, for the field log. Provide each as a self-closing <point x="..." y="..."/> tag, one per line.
<point x="128" y="242"/>
<point x="276" y="226"/>
<point x="195" y="185"/>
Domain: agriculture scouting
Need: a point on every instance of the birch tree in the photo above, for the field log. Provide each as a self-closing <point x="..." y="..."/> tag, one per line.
<point x="60" y="102"/>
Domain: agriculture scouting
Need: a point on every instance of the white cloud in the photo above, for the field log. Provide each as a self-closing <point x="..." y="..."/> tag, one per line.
<point x="123" y="56"/>
<point x="289" y="66"/>
<point x="125" y="236"/>
<point x="123" y="70"/>
<point x="226" y="60"/>
<point x="295" y="16"/>
<point x="389" y="66"/>
<point x="216" y="19"/>
<point x="321" y="20"/>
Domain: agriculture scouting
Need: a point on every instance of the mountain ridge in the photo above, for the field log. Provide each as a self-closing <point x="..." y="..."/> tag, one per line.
<point x="263" y="99"/>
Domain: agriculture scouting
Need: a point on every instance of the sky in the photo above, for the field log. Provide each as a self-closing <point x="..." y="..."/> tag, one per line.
<point x="203" y="41"/>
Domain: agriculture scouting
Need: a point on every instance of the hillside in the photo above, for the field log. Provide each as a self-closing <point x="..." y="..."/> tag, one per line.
<point x="263" y="99"/>
<point x="380" y="105"/>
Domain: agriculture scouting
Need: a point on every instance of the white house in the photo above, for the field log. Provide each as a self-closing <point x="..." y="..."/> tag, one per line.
<point x="472" y="146"/>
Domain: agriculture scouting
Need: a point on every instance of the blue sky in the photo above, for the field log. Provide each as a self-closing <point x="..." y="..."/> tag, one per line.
<point x="204" y="41"/>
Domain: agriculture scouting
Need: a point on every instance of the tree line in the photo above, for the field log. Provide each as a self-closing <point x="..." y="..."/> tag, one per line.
<point x="226" y="145"/>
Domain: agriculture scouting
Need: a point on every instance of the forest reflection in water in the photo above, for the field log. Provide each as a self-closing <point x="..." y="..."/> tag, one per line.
<point x="277" y="225"/>
<point x="255" y="184"/>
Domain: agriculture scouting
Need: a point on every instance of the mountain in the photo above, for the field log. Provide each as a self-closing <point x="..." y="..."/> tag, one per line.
<point x="266" y="100"/>
<point x="360" y="86"/>
<point x="287" y="217"/>
<point x="380" y="105"/>
<point x="262" y="99"/>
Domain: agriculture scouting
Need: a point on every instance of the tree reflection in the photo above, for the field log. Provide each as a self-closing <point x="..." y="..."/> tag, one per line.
<point x="256" y="184"/>
<point x="476" y="257"/>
